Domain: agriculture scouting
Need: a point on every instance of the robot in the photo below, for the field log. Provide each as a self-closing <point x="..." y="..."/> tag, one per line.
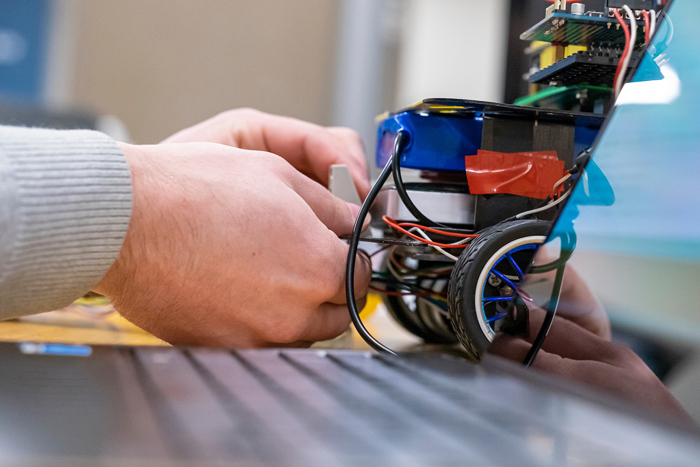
<point x="458" y="241"/>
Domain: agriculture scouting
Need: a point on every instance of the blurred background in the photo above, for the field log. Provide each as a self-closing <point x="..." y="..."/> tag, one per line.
<point x="141" y="70"/>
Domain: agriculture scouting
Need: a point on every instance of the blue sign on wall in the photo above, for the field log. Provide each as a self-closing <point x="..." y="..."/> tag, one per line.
<point x="23" y="48"/>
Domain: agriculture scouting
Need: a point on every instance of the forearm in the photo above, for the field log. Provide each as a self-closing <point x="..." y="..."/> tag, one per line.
<point x="65" y="205"/>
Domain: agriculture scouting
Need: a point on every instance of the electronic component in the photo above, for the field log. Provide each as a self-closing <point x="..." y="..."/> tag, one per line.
<point x="633" y="4"/>
<point x="567" y="29"/>
<point x="578" y="9"/>
<point x="590" y="55"/>
<point x="556" y="5"/>
<point x="594" y="68"/>
<point x="580" y="97"/>
<point x="446" y="204"/>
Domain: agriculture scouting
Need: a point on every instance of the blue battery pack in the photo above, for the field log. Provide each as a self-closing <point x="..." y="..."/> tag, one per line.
<point x="442" y="132"/>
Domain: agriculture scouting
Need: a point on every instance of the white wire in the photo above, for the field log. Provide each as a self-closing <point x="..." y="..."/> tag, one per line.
<point x="461" y="242"/>
<point x="544" y="208"/>
<point x="564" y="178"/>
<point x="652" y="26"/>
<point x="443" y="252"/>
<point x="400" y="277"/>
<point x="630" y="49"/>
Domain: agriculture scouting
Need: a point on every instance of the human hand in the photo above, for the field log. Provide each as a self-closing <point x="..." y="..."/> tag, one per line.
<point x="576" y="354"/>
<point x="310" y="148"/>
<point x="576" y="303"/>
<point x="232" y="248"/>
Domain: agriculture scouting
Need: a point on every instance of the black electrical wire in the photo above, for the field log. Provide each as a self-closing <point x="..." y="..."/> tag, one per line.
<point x="400" y="144"/>
<point x="354" y="243"/>
<point x="548" y="319"/>
<point x="568" y="240"/>
<point x="559" y="263"/>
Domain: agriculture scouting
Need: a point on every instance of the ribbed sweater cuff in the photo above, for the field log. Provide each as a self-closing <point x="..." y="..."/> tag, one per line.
<point x="65" y="205"/>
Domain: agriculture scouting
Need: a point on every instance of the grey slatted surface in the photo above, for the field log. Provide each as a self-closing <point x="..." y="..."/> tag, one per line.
<point x="164" y="406"/>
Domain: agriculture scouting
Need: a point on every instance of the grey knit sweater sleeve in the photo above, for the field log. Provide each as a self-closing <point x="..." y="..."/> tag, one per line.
<point x="65" y="205"/>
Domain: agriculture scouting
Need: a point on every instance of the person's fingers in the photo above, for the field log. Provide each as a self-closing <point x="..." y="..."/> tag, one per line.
<point x="363" y="275"/>
<point x="516" y="349"/>
<point x="512" y="348"/>
<point x="631" y="379"/>
<point x="356" y="152"/>
<point x="578" y="304"/>
<point x="336" y="214"/>
<point x="569" y="340"/>
<point x="328" y="322"/>
<point x="313" y="149"/>
<point x="323" y="149"/>
<point x="310" y="148"/>
<point x="585" y="371"/>
<point x="339" y="218"/>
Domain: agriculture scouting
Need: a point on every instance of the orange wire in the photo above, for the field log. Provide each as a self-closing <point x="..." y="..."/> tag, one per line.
<point x="441" y="232"/>
<point x="392" y="223"/>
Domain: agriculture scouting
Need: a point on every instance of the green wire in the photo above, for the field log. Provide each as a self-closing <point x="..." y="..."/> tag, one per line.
<point x="529" y="101"/>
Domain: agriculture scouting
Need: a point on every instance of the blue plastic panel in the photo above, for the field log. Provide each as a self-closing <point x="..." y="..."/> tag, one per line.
<point x="436" y="142"/>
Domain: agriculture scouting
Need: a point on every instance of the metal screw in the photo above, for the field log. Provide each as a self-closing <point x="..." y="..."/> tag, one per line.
<point x="494" y="280"/>
<point x="506" y="291"/>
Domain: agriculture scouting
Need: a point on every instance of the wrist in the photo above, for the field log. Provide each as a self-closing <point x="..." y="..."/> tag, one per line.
<point x="111" y="280"/>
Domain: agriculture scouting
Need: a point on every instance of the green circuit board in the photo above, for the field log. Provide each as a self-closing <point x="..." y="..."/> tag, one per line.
<point x="567" y="29"/>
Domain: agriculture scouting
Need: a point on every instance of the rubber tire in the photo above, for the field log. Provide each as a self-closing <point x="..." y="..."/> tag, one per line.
<point x="465" y="275"/>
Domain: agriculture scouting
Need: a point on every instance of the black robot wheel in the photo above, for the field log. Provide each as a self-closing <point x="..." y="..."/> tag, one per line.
<point x="486" y="277"/>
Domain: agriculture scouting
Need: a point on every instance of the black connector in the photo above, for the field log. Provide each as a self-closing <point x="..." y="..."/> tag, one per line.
<point x="633" y="4"/>
<point x="517" y="320"/>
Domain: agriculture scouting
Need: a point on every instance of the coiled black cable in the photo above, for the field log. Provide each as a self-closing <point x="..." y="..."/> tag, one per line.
<point x="354" y="243"/>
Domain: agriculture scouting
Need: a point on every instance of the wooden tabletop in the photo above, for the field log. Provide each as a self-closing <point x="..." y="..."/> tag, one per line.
<point x="97" y="323"/>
